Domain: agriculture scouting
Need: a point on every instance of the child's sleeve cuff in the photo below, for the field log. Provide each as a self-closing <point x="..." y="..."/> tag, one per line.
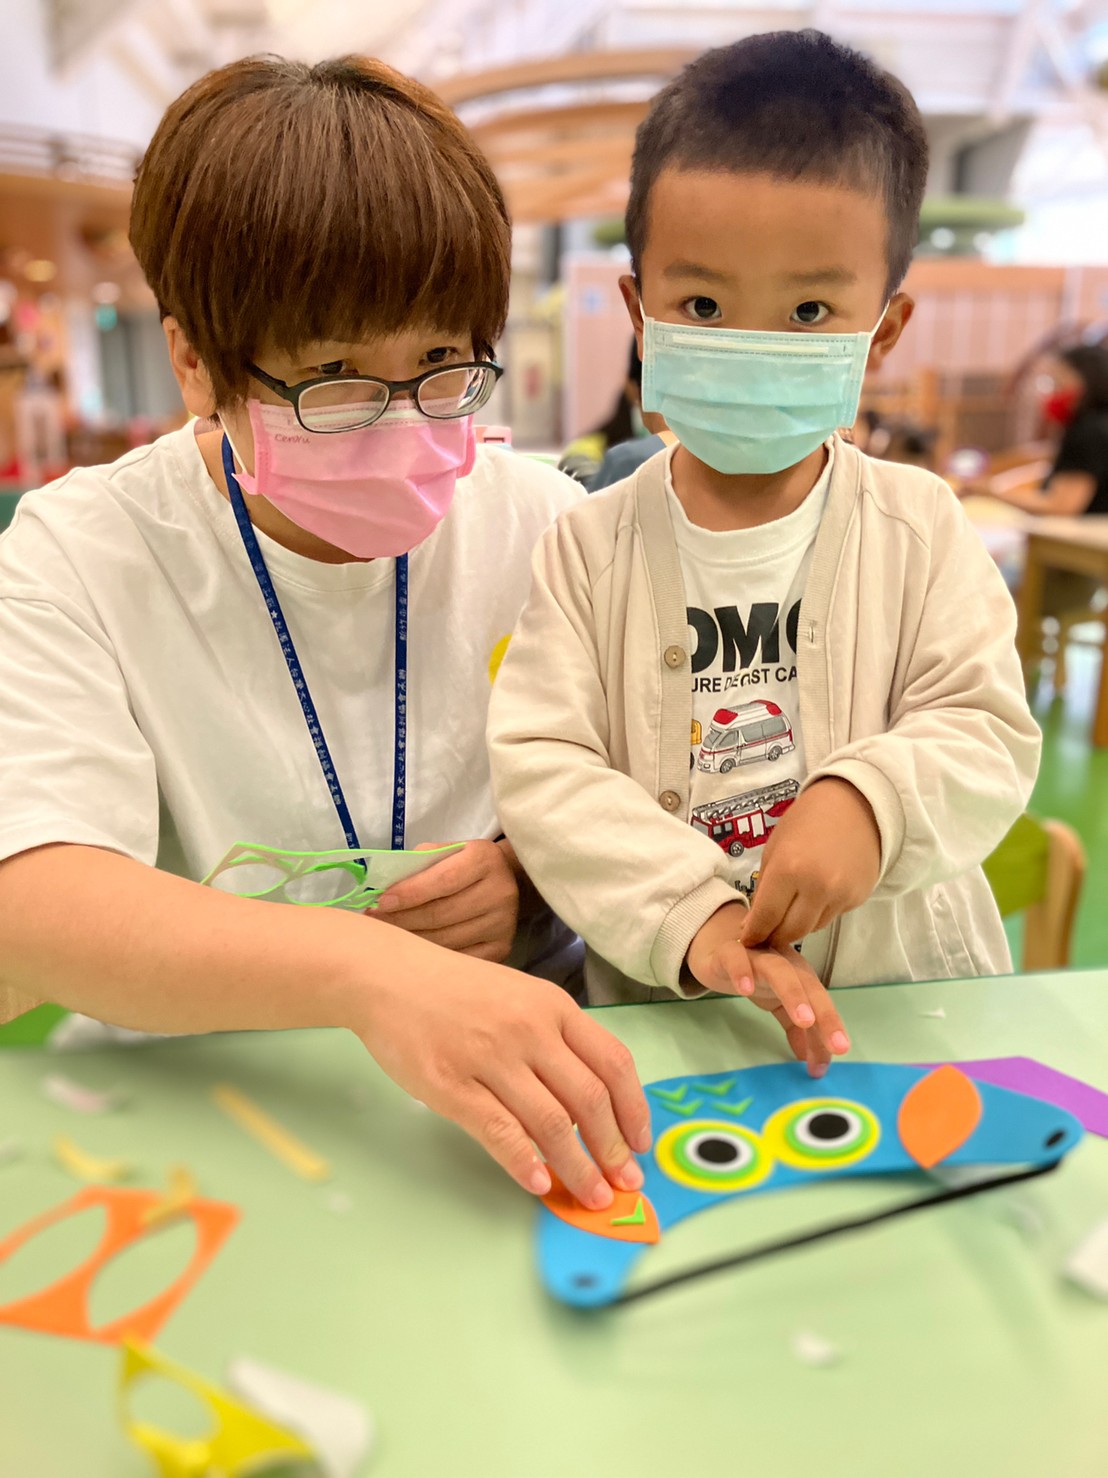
<point x="679" y="929"/>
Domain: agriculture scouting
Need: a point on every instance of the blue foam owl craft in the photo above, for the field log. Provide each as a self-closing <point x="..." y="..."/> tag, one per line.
<point x="768" y="1128"/>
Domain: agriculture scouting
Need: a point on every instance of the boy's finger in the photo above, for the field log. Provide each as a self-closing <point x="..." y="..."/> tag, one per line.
<point x="772" y="899"/>
<point x="829" y="1024"/>
<point x="459" y="870"/>
<point x="796" y="1038"/>
<point x="817" y="1053"/>
<point x="800" y="919"/>
<point x="731" y="969"/>
<point x="789" y="988"/>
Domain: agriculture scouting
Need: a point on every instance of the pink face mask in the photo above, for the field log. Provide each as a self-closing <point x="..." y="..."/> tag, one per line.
<point x="376" y="493"/>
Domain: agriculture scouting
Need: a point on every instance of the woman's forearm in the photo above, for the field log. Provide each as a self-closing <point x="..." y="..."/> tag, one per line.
<point x="111" y="937"/>
<point x="135" y="947"/>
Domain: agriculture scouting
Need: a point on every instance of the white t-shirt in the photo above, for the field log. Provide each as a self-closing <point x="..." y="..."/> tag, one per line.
<point x="743" y="589"/>
<point x="146" y="706"/>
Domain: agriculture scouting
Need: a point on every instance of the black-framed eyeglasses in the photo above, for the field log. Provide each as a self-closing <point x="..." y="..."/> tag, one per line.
<point x="349" y="402"/>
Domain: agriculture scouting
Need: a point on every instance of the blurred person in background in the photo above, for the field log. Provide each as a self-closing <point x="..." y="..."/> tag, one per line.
<point x="625" y="440"/>
<point x="1075" y="404"/>
<point x="1074" y="482"/>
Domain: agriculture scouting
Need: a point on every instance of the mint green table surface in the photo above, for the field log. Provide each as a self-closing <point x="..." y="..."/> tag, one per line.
<point x="964" y="1352"/>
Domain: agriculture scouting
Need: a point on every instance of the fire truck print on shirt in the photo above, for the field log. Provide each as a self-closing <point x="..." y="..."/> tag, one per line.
<point x="744" y="590"/>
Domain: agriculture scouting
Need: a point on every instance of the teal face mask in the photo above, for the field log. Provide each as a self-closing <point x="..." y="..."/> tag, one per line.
<point x="746" y="401"/>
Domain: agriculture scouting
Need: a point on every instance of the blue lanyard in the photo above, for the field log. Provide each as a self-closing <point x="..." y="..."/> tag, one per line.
<point x="300" y="682"/>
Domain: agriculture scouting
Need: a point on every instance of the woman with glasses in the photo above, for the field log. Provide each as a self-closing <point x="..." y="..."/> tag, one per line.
<point x="260" y="650"/>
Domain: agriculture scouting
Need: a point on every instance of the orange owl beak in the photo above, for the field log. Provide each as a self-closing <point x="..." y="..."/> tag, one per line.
<point x="938" y="1114"/>
<point x="630" y="1217"/>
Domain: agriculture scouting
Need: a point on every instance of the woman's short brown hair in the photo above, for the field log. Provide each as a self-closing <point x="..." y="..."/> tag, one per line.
<point x="281" y="204"/>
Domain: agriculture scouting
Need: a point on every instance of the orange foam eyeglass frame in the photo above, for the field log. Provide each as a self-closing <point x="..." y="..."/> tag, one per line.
<point x="62" y="1308"/>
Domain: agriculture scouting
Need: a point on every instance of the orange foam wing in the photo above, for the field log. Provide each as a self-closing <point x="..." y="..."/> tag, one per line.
<point x="630" y="1217"/>
<point x="938" y="1114"/>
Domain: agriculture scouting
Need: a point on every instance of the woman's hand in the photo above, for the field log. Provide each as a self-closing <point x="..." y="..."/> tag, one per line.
<point x="515" y="1063"/>
<point x="469" y="902"/>
<point x="778" y="981"/>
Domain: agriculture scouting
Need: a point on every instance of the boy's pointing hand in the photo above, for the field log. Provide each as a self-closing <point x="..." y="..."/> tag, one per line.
<point x="823" y="859"/>
<point x="777" y="981"/>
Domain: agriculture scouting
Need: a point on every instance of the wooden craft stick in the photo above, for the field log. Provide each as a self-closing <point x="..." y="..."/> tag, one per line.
<point x="277" y="1140"/>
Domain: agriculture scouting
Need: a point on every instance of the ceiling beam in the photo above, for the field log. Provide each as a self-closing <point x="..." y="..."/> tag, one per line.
<point x="78" y="27"/>
<point x="612" y="150"/>
<point x="577" y="194"/>
<point x="136" y="48"/>
<point x="549" y="122"/>
<point x="1060" y="48"/>
<point x="1022" y="41"/>
<point x="578" y="66"/>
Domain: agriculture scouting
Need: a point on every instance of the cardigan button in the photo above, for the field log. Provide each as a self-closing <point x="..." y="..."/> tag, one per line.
<point x="670" y="800"/>
<point x="674" y="657"/>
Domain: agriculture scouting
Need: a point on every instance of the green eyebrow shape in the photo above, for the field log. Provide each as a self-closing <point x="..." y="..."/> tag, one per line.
<point x="673" y="1098"/>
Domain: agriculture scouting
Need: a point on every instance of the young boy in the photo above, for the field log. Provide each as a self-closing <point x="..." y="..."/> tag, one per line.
<point x="829" y="628"/>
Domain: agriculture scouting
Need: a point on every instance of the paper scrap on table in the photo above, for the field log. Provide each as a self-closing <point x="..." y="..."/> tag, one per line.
<point x="1023" y="1215"/>
<point x="275" y="1137"/>
<point x="77" y="1033"/>
<point x="243" y="1441"/>
<point x="94" y="1168"/>
<point x="813" y="1349"/>
<point x="939" y="1014"/>
<point x="337" y="1427"/>
<point x="62" y="1090"/>
<point x="335" y="879"/>
<point x="1087" y="1264"/>
<point x="62" y="1308"/>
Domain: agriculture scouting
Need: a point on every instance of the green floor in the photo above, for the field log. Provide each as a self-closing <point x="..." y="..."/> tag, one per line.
<point x="1073" y="785"/>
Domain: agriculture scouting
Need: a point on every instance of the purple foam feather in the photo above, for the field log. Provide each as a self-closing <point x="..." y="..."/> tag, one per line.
<point x="1025" y="1075"/>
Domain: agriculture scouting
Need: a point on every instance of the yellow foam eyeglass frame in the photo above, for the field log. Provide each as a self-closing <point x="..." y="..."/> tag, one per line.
<point x="672" y="1154"/>
<point x="783" y="1133"/>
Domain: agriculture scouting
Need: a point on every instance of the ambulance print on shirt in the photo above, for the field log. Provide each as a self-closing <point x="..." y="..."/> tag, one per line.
<point x="743" y="591"/>
<point x="744" y="736"/>
<point x="746" y="768"/>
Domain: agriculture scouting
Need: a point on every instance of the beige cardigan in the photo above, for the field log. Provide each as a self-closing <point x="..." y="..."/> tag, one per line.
<point x="910" y="689"/>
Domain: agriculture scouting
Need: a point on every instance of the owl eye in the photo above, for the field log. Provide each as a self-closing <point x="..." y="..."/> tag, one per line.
<point x="822" y="1134"/>
<point x="713" y="1157"/>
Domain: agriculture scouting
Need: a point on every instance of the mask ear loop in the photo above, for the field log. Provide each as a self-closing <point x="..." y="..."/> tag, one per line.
<point x="835" y="1229"/>
<point x="234" y="449"/>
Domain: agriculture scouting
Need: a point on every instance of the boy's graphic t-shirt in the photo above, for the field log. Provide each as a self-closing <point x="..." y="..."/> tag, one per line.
<point x="743" y="590"/>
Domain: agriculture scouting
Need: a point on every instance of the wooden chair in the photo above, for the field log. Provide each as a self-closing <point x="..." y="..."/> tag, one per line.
<point x="1070" y="628"/>
<point x="1038" y="870"/>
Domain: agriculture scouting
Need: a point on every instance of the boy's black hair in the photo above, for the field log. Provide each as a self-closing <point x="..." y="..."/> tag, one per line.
<point x="794" y="104"/>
